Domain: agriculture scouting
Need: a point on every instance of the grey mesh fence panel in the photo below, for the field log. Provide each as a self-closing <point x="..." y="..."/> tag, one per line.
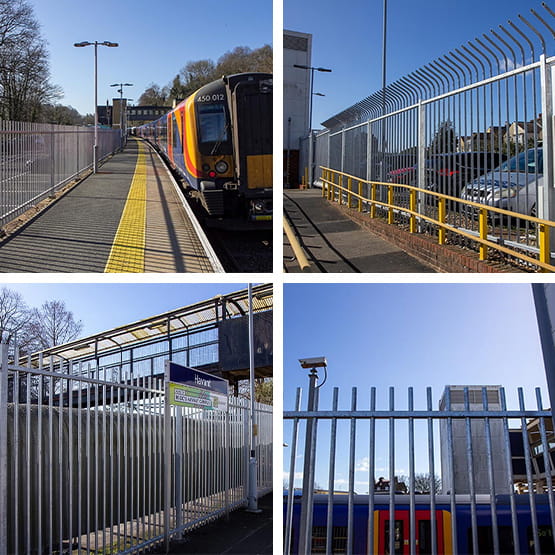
<point x="84" y="450"/>
<point x="37" y="159"/>
<point x="485" y="465"/>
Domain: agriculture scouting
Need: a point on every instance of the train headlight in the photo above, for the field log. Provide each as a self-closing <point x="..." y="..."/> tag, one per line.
<point x="221" y="166"/>
<point x="258" y="205"/>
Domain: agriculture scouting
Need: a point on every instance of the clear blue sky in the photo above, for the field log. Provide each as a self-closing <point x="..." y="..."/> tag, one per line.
<point x="347" y="38"/>
<point x="105" y="306"/>
<point x="156" y="40"/>
<point x="415" y="335"/>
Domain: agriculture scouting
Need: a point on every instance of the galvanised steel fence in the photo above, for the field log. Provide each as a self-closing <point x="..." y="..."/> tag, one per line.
<point x="472" y="476"/>
<point x="475" y="124"/>
<point x="37" y="159"/>
<point x="85" y="456"/>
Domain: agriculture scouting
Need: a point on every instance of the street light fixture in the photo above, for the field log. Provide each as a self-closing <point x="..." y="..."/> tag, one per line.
<point x="120" y="90"/>
<point x="96" y="44"/>
<point x="311" y="149"/>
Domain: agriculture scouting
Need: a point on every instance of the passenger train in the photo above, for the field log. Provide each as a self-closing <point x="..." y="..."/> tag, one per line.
<point x="220" y="140"/>
<point x="444" y="524"/>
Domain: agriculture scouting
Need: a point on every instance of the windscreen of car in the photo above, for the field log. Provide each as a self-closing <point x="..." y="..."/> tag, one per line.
<point x="524" y="162"/>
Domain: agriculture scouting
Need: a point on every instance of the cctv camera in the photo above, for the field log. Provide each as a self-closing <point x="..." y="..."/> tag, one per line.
<point x="315" y="362"/>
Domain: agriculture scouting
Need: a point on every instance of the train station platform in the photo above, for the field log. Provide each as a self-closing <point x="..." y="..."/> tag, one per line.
<point x="335" y="243"/>
<point x="244" y="533"/>
<point x="128" y="217"/>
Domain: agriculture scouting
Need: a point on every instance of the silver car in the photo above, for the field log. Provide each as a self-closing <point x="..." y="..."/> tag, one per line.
<point x="512" y="186"/>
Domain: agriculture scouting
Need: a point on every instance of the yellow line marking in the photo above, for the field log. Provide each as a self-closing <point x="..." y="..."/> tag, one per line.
<point x="128" y="250"/>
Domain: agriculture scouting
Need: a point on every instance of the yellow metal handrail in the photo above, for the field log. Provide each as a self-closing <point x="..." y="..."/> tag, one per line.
<point x="333" y="184"/>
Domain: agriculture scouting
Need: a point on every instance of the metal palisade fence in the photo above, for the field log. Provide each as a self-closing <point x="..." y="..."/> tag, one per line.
<point x="37" y="159"/>
<point x="476" y="125"/>
<point x="87" y="463"/>
<point x="472" y="476"/>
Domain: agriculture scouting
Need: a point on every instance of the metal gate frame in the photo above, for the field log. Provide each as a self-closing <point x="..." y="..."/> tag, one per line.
<point x="93" y="474"/>
<point x="470" y="416"/>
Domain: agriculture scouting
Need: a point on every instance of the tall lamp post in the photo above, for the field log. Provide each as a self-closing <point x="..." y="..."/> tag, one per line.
<point x="120" y="90"/>
<point x="311" y="147"/>
<point x="96" y="44"/>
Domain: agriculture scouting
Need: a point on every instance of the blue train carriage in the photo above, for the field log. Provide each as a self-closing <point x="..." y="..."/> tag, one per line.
<point x="220" y="140"/>
<point x="444" y="524"/>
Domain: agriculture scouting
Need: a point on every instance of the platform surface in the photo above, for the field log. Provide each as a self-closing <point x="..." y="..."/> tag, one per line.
<point x="128" y="217"/>
<point x="334" y="243"/>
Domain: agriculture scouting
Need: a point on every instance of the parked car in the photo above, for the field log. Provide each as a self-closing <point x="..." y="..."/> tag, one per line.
<point x="402" y="175"/>
<point x="449" y="173"/>
<point x="512" y="186"/>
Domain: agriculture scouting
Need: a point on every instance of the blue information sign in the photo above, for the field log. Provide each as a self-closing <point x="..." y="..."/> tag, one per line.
<point x="193" y="388"/>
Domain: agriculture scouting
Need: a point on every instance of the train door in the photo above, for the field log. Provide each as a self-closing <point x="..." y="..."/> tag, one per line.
<point x="401" y="531"/>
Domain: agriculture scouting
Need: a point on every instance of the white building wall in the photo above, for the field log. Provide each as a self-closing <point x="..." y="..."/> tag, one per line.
<point x="297" y="49"/>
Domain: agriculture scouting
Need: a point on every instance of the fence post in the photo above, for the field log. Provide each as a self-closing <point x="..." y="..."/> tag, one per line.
<point x="253" y="463"/>
<point x="546" y="204"/>
<point x="305" y="535"/>
<point x="483" y="229"/>
<point x="310" y="161"/>
<point x="3" y="443"/>
<point x="167" y="456"/>
<point x="421" y="172"/>
<point x="441" y="218"/>
<point x="369" y="154"/>
<point x="52" y="161"/>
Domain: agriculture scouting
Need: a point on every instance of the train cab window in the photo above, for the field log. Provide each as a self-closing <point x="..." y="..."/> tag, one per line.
<point x="338" y="539"/>
<point x="399" y="537"/>
<point x="212" y="123"/>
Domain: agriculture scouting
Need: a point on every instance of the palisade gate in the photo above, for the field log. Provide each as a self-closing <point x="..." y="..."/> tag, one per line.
<point x="492" y="96"/>
<point x="471" y="476"/>
<point x="93" y="458"/>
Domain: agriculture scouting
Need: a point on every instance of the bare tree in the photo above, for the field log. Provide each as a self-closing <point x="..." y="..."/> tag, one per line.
<point x="14" y="313"/>
<point x="196" y="74"/>
<point x="423" y="482"/>
<point x="52" y="324"/>
<point x="154" y="96"/>
<point x="24" y="72"/>
<point x="263" y="390"/>
<point x="243" y="59"/>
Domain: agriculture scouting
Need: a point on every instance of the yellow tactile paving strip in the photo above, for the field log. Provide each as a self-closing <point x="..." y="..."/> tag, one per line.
<point x="128" y="250"/>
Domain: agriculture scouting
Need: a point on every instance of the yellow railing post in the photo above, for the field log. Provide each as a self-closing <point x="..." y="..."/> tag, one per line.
<point x="324" y="182"/>
<point x="360" y="196"/>
<point x="390" y="215"/>
<point x="349" y="195"/>
<point x="441" y="219"/>
<point x="412" y="206"/>
<point x="545" y="250"/>
<point x="339" y="185"/>
<point x="483" y="227"/>
<point x="330" y="188"/>
<point x="373" y="201"/>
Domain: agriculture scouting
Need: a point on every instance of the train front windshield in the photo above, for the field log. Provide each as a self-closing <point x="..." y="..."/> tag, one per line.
<point x="212" y="123"/>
